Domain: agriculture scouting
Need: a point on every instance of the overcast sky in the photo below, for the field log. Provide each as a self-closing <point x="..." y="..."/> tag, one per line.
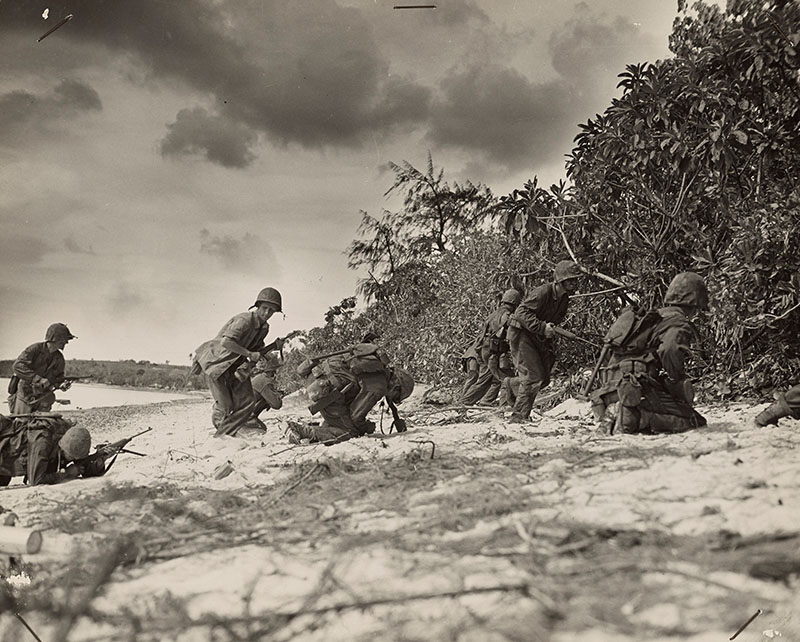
<point x="161" y="161"/>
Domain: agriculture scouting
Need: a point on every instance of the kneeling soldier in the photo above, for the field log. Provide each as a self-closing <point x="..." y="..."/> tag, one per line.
<point x="646" y="388"/>
<point x="344" y="386"/>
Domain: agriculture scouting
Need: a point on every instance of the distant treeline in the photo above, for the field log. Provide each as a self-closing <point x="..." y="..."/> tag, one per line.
<point x="141" y="374"/>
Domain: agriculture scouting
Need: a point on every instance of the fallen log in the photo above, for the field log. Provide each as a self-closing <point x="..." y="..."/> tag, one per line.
<point x="19" y="541"/>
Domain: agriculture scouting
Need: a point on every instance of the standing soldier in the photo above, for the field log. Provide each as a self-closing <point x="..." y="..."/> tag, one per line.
<point x="38" y="372"/>
<point x="224" y="360"/>
<point x="787" y="405"/>
<point x="492" y="345"/>
<point x="646" y="388"/>
<point x="344" y="387"/>
<point x="531" y="333"/>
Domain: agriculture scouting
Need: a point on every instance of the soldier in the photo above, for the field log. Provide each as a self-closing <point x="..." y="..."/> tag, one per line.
<point x="531" y="333"/>
<point x="224" y="360"/>
<point x="470" y="366"/>
<point x="787" y="405"/>
<point x="344" y="387"/>
<point x="646" y="388"/>
<point x="492" y="344"/>
<point x="38" y="372"/>
<point x="45" y="449"/>
<point x="266" y="395"/>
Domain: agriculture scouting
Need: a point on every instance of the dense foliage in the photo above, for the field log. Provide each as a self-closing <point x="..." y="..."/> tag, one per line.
<point x="693" y="167"/>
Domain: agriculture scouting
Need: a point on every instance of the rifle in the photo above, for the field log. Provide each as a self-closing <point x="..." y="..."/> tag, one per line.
<point x="571" y="335"/>
<point x="53" y="388"/>
<point x="94" y="465"/>
<point x="600" y="360"/>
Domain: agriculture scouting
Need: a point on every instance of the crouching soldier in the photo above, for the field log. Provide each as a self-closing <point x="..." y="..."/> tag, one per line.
<point x="227" y="360"/>
<point x="492" y="344"/>
<point x="265" y="393"/>
<point x="344" y="386"/>
<point x="645" y="387"/>
<point x="787" y="405"/>
<point x="45" y="449"/>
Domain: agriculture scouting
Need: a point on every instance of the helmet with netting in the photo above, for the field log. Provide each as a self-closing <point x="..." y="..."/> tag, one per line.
<point x="566" y="270"/>
<point x="687" y="288"/>
<point x="76" y="442"/>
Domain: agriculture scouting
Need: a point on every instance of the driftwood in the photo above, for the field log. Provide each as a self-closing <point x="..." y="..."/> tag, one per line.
<point x="19" y="541"/>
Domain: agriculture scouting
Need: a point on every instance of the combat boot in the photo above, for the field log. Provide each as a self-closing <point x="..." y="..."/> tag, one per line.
<point x="770" y="416"/>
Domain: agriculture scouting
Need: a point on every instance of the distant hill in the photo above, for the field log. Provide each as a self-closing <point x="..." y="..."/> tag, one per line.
<point x="141" y="374"/>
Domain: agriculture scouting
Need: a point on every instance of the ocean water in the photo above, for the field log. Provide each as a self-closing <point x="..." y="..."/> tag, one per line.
<point x="88" y="395"/>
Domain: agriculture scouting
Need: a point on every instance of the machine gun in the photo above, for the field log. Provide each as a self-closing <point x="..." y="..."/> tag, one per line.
<point x="94" y="465"/>
<point x="68" y="381"/>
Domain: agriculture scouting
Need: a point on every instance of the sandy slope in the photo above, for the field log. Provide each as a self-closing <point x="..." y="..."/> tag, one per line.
<point x="538" y="532"/>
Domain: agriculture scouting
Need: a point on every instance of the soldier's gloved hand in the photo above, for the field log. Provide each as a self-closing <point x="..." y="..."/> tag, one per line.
<point x="549" y="332"/>
<point x="254" y="356"/>
<point x="279" y="343"/>
<point x="400" y="425"/>
<point x="65" y="386"/>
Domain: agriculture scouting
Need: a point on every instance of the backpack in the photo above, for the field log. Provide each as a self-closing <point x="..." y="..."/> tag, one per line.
<point x="630" y="334"/>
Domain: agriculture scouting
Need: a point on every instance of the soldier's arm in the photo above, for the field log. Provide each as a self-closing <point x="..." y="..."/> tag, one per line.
<point x="23" y="366"/>
<point x="233" y="339"/>
<point x="673" y="349"/>
<point x="526" y="313"/>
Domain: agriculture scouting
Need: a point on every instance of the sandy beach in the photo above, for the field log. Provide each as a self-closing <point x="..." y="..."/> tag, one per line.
<point x="463" y="528"/>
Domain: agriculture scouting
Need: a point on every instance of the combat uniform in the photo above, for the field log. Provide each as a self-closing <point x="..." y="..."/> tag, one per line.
<point x="533" y="352"/>
<point x="41" y="449"/>
<point x="470" y="365"/>
<point x="345" y="388"/>
<point x="645" y="387"/>
<point x="493" y="345"/>
<point x="786" y="405"/>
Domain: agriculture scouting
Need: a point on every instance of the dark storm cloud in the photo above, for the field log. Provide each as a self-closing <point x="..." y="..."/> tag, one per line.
<point x="220" y="139"/>
<point x="499" y="113"/>
<point x="68" y="97"/>
<point x="243" y="254"/>
<point x="311" y="72"/>
<point x="25" y="250"/>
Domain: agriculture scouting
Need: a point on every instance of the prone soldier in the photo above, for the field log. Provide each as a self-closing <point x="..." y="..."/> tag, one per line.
<point x="44" y="449"/>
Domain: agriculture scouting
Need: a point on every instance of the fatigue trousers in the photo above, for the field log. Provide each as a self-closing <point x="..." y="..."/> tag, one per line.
<point x="338" y="426"/>
<point x="487" y="386"/>
<point x="533" y="360"/>
<point x="233" y="402"/>
<point x="472" y="368"/>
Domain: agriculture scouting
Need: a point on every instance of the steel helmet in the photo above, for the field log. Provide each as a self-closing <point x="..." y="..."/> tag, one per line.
<point x="566" y="270"/>
<point x="511" y="296"/>
<point x="58" y="332"/>
<point x="76" y="442"/>
<point x="687" y="288"/>
<point x="269" y="295"/>
<point x="405" y="381"/>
